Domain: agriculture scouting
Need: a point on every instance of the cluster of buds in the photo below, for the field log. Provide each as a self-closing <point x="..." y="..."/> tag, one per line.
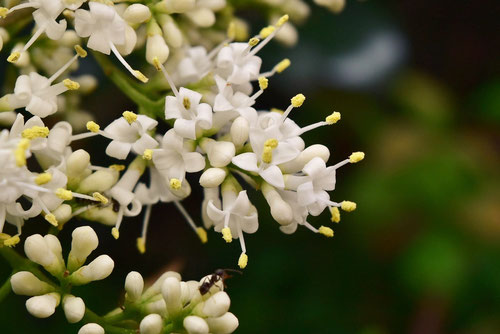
<point x="171" y="305"/>
<point x="46" y="251"/>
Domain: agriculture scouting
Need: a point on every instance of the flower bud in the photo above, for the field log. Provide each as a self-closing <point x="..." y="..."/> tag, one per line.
<point x="216" y="305"/>
<point x="100" y="181"/>
<point x="304" y="157"/>
<point x="27" y="284"/>
<point x="156" y="47"/>
<point x="77" y="163"/>
<point x="84" y="242"/>
<point x="4" y="37"/>
<point x="136" y="14"/>
<point x="195" y="325"/>
<point x="38" y="251"/>
<point x="171" y="291"/>
<point x="212" y="177"/>
<point x="219" y="153"/>
<point x="43" y="306"/>
<point x="104" y="215"/>
<point x="134" y="284"/>
<point x="223" y="325"/>
<point x="151" y="324"/>
<point x="74" y="308"/>
<point x="69" y="39"/>
<point x="280" y="210"/>
<point x="336" y="6"/>
<point x="239" y="131"/>
<point x="63" y="213"/>
<point x="158" y="307"/>
<point x="157" y="285"/>
<point x="288" y="34"/>
<point x="171" y="32"/>
<point x="91" y="328"/>
<point x="96" y="270"/>
<point x="202" y="17"/>
<point x="88" y="83"/>
<point x="59" y="136"/>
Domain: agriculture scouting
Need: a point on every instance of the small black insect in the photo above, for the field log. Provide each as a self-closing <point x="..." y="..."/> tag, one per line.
<point x="116" y="205"/>
<point x="218" y="275"/>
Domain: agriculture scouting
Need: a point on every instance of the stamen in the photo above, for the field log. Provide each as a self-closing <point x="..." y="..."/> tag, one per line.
<point x="33" y="38"/>
<point x="14" y="56"/>
<point x="186" y="103"/>
<point x="202" y="234"/>
<point x="51" y="219"/>
<point x="226" y="234"/>
<point x="326" y="231"/>
<point x="43" y="178"/>
<point x="296" y="102"/>
<point x="334" y="211"/>
<point x="348" y="206"/>
<point x="135" y="73"/>
<point x="243" y="261"/>
<point x="93" y="126"/>
<point x="20" y="152"/>
<point x="141" y="242"/>
<point x="175" y="184"/>
<point x="356" y="157"/>
<point x="148" y="154"/>
<point x="79" y="53"/>
<point x="159" y="66"/>
<point x="12" y="241"/>
<point x="35" y="132"/>
<point x="333" y="118"/>
<point x="273" y="33"/>
<point x="100" y="198"/>
<point x="3" y="12"/>
<point x="129" y="116"/>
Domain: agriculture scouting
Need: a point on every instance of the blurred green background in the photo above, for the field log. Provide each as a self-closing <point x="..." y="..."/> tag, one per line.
<point x="418" y="87"/>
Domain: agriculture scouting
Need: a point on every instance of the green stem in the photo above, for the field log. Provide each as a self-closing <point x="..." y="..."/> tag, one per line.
<point x="5" y="289"/>
<point x="18" y="263"/>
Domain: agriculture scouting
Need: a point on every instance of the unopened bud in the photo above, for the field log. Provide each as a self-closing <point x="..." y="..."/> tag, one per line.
<point x="74" y="308"/>
<point x="171" y="291"/>
<point x="212" y="177"/>
<point x="136" y="13"/>
<point x="96" y="270"/>
<point x="239" y="131"/>
<point x="224" y="324"/>
<point x="84" y="242"/>
<point x="156" y="47"/>
<point x="151" y="324"/>
<point x="216" y="305"/>
<point x="134" y="284"/>
<point x="27" y="284"/>
<point x="43" y="306"/>
<point x="99" y="181"/>
<point x="195" y="325"/>
<point x="219" y="153"/>
<point x="91" y="328"/>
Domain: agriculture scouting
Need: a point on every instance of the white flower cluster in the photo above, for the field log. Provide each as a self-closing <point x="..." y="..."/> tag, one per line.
<point x="216" y="130"/>
<point x="47" y="252"/>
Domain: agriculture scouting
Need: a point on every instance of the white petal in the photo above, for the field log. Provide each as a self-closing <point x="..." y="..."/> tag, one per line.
<point x="246" y="161"/>
<point x="273" y="176"/>
<point x="118" y="149"/>
<point x="193" y="161"/>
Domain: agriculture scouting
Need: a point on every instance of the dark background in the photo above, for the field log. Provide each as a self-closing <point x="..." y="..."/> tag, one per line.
<point x="418" y="87"/>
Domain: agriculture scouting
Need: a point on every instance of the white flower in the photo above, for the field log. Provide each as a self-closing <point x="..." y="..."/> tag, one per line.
<point x="173" y="159"/>
<point x="237" y="65"/>
<point x="107" y="32"/>
<point x="130" y="133"/>
<point x="238" y="215"/>
<point x="194" y="65"/>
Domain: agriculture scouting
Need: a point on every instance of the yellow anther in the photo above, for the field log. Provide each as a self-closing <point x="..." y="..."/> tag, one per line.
<point x="64" y="194"/>
<point x="333" y="118"/>
<point x="115" y="233"/>
<point x="101" y="198"/>
<point x="175" y="184"/>
<point x="263" y="83"/>
<point x="326" y="231"/>
<point x="69" y="14"/>
<point x="334" y="211"/>
<point x="35" y="132"/>
<point x="231" y="30"/>
<point x="51" y="219"/>
<point x="93" y="126"/>
<point x="243" y="261"/>
<point x="148" y="154"/>
<point x="253" y="41"/>
<point x="14" y="56"/>
<point x="70" y="84"/>
<point x="282" y="20"/>
<point x="356" y="157"/>
<point x="3" y="12"/>
<point x="282" y="65"/>
<point x="12" y="241"/>
<point x="141" y="77"/>
<point x="141" y="245"/>
<point x="157" y="63"/>
<point x="298" y="100"/>
<point x="202" y="234"/>
<point x="186" y="103"/>
<point x="118" y="168"/>
<point x="43" y="178"/>
<point x="226" y="234"/>
<point x="20" y="152"/>
<point x="279" y="111"/>
<point x="348" y="206"/>
<point x="272" y="143"/>
<point x="129" y="116"/>
<point x="80" y="51"/>
<point x="267" y="154"/>
<point x="265" y="32"/>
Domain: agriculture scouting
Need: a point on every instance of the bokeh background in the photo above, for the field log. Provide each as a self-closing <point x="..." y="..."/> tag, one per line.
<point x="417" y="83"/>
